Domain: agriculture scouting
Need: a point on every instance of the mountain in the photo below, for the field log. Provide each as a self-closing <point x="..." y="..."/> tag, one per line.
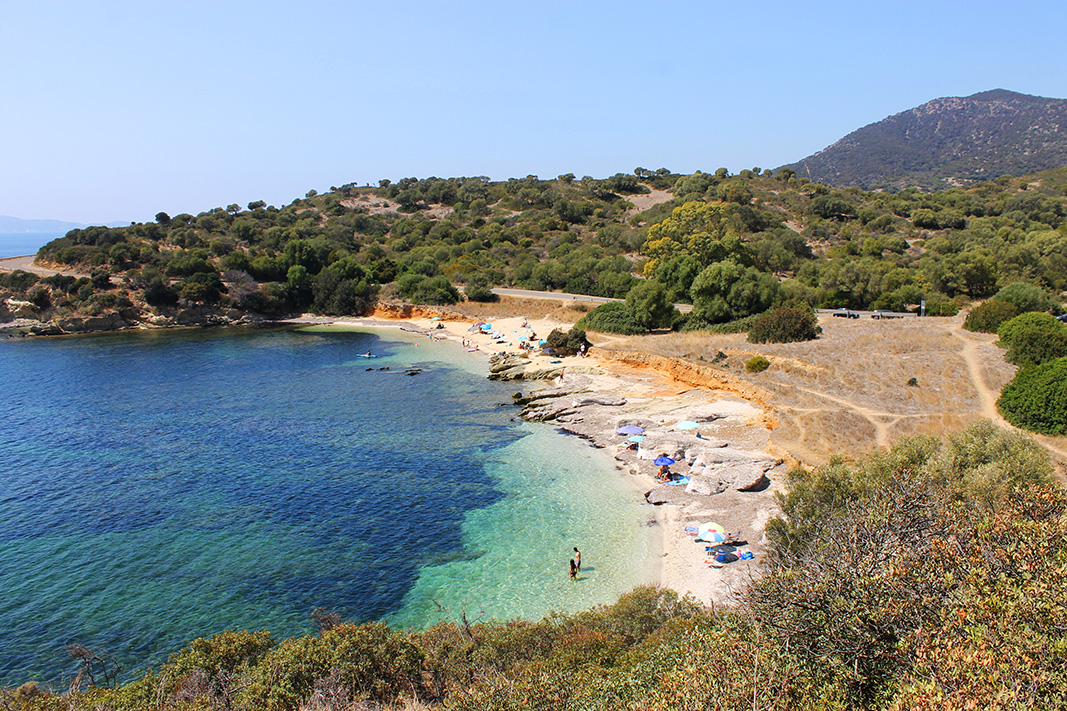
<point x="947" y="141"/>
<point x="17" y="224"/>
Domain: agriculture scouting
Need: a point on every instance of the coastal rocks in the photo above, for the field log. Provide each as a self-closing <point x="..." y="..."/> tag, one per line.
<point x="21" y="309"/>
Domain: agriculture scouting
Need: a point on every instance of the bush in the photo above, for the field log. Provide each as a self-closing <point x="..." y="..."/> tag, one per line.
<point x="757" y="364"/>
<point x="478" y="289"/>
<point x="989" y="315"/>
<point x="1026" y="297"/>
<point x="1033" y="338"/>
<point x="784" y="325"/>
<point x="1036" y="399"/>
<point x="612" y="317"/>
<point x="693" y="322"/>
<point x="422" y="289"/>
<point x="18" y="280"/>
<point x="568" y="343"/>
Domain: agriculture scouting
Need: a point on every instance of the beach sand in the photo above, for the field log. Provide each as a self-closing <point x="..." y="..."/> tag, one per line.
<point x="731" y="430"/>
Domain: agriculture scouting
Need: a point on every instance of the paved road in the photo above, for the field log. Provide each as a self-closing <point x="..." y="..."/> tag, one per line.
<point x="25" y="263"/>
<point x="562" y="296"/>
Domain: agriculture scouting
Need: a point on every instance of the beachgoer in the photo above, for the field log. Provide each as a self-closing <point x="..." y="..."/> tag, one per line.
<point x="581" y="351"/>
<point x="574" y="570"/>
<point x="577" y="558"/>
<point x="559" y="380"/>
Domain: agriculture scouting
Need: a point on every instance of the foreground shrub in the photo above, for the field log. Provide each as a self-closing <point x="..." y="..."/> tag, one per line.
<point x="987" y="316"/>
<point x="1036" y="399"/>
<point x="346" y="663"/>
<point x="1033" y="338"/>
<point x="784" y="325"/>
<point x="757" y="364"/>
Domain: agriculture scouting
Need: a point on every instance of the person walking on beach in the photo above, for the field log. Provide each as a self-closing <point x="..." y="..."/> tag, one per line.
<point x="577" y="559"/>
<point x="574" y="570"/>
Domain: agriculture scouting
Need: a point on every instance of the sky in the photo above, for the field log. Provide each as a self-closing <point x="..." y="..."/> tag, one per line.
<point x="114" y="111"/>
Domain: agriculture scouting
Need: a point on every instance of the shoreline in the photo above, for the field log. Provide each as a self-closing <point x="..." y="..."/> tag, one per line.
<point x="597" y="395"/>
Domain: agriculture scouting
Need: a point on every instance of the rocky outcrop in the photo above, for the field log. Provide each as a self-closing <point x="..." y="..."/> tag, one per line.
<point x="696" y="375"/>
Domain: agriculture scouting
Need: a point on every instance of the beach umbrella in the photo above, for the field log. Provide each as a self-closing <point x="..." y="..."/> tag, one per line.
<point x="630" y="430"/>
<point x="711" y="532"/>
<point x="688" y="425"/>
<point x="436" y="318"/>
<point x="636" y="438"/>
<point x="662" y="461"/>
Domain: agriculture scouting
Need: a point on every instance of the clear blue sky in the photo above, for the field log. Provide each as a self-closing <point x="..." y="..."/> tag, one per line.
<point x="117" y="110"/>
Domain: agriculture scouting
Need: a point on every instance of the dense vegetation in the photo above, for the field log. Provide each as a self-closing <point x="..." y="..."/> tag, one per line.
<point x="947" y="141"/>
<point x="929" y="576"/>
<point x="731" y="245"/>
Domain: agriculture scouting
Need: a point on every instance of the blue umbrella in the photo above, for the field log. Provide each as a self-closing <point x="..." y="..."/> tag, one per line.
<point x="630" y="430"/>
<point x="636" y="438"/>
<point x="662" y="461"/>
<point x="688" y="425"/>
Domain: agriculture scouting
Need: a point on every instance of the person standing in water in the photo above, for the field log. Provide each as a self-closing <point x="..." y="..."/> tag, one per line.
<point x="577" y="559"/>
<point x="574" y="570"/>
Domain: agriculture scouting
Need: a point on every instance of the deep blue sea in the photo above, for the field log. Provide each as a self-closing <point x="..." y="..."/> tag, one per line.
<point x="17" y="244"/>
<point x="156" y="487"/>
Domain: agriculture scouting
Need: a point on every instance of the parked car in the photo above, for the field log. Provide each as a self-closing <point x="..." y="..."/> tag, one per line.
<point x="845" y="313"/>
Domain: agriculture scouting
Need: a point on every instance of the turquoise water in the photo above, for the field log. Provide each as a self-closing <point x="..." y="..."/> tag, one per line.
<point x="162" y="486"/>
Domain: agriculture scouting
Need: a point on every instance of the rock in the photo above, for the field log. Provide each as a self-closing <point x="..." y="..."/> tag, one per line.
<point x="699" y="485"/>
<point x="606" y="400"/>
<point x="760" y="484"/>
<point x="21" y="309"/>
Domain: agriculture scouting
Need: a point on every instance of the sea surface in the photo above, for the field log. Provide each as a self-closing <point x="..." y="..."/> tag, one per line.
<point x="18" y="244"/>
<point x="157" y="487"/>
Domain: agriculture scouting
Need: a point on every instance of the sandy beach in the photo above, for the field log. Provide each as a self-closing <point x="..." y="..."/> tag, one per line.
<point x="729" y="478"/>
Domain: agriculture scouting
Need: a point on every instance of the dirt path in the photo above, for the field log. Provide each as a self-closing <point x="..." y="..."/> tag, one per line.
<point x="25" y="264"/>
<point x="986" y="395"/>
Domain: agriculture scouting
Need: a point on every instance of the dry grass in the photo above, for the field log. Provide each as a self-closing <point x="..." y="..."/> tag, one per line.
<point x="564" y="312"/>
<point x="847" y="392"/>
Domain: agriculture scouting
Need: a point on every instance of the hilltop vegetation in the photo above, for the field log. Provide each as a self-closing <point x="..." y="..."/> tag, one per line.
<point x="732" y="245"/>
<point x="928" y="576"/>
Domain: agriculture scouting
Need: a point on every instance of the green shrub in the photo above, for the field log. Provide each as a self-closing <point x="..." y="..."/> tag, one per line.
<point x="1036" y="399"/>
<point x="568" y="343"/>
<point x="612" y="317"/>
<point x="784" y="325"/>
<point x="422" y="289"/>
<point x="1026" y="297"/>
<point x="1033" y="338"/>
<point x="757" y="364"/>
<point x="987" y="316"/>
<point x="479" y="289"/>
<point x="693" y="322"/>
<point x="18" y="280"/>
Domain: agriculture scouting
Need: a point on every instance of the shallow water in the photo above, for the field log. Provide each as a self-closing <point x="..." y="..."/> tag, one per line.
<point x="162" y="486"/>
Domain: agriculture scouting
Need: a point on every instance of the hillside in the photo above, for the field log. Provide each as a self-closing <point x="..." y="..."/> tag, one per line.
<point x="731" y="245"/>
<point x="947" y="141"/>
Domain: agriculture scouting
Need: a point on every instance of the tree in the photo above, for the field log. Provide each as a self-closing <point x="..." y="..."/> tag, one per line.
<point x="726" y="291"/>
<point x="479" y="289"/>
<point x="649" y="305"/>
<point x="162" y="218"/>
